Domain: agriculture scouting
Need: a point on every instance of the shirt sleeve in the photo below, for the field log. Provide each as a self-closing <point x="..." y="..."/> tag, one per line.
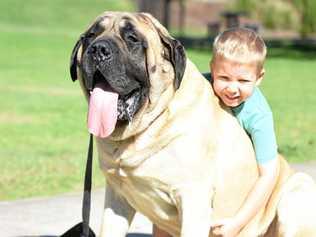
<point x="263" y="138"/>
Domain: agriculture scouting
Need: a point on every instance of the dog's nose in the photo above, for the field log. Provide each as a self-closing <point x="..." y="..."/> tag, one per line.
<point x="101" y="51"/>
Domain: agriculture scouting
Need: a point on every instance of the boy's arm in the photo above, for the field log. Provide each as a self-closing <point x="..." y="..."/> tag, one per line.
<point x="264" y="141"/>
<point x="256" y="199"/>
<point x="260" y="193"/>
<point x="262" y="134"/>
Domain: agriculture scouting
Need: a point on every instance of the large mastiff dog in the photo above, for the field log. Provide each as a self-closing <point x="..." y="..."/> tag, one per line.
<point x="167" y="148"/>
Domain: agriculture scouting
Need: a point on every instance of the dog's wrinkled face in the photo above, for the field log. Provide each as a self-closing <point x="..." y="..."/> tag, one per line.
<point x="118" y="63"/>
<point x="112" y="56"/>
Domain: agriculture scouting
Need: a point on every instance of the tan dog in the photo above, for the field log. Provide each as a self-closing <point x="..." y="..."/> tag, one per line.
<point x="166" y="146"/>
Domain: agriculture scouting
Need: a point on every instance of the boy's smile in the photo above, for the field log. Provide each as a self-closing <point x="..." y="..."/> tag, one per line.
<point x="234" y="82"/>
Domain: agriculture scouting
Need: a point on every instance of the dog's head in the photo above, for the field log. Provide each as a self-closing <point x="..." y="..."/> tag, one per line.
<point x="129" y="60"/>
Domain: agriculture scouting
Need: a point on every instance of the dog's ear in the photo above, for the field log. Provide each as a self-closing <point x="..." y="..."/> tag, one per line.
<point x="175" y="51"/>
<point x="85" y="39"/>
<point x="176" y="56"/>
<point x="74" y="61"/>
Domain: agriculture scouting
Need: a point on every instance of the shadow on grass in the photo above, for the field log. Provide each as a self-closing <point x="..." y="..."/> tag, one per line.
<point x="138" y="235"/>
<point x="129" y="235"/>
<point x="36" y="236"/>
<point x="292" y="52"/>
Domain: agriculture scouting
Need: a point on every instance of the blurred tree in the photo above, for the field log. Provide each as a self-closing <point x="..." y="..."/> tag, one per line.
<point x="161" y="10"/>
<point x="158" y="8"/>
<point x="307" y="12"/>
<point x="166" y="20"/>
<point x="299" y="15"/>
<point x="182" y="16"/>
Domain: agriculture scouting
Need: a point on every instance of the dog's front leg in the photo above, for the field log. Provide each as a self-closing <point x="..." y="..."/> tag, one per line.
<point x="118" y="215"/>
<point x="195" y="212"/>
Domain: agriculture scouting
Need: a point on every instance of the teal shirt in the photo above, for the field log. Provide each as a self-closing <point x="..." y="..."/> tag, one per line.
<point x="255" y="116"/>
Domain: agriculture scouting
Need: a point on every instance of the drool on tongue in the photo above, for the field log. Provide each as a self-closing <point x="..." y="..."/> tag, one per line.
<point x="102" y="115"/>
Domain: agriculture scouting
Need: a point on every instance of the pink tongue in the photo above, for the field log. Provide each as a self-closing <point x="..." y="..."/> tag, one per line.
<point x="102" y="115"/>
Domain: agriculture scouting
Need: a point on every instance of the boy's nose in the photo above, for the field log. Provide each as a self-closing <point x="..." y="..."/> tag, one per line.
<point x="233" y="88"/>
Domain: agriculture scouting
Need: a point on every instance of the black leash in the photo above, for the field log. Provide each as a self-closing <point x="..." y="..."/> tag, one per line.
<point x="86" y="203"/>
<point x="82" y="229"/>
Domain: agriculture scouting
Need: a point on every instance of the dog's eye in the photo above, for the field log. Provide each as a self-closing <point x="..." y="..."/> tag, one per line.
<point x="91" y="34"/>
<point x="132" y="38"/>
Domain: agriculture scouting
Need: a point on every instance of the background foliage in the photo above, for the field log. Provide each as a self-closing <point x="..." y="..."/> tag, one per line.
<point x="297" y="15"/>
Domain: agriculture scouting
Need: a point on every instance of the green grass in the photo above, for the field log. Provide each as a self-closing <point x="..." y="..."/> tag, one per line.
<point x="43" y="131"/>
<point x="43" y="138"/>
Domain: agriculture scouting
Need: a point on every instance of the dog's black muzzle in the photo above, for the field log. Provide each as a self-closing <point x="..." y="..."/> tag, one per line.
<point x="103" y="61"/>
<point x="101" y="51"/>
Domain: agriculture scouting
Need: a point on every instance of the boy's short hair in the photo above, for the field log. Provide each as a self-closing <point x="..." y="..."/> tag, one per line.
<point x="240" y="45"/>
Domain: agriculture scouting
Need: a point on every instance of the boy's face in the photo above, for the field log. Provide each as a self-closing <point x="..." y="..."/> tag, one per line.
<point x="234" y="82"/>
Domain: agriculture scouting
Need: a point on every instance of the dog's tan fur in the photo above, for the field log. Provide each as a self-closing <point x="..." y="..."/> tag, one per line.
<point x="184" y="160"/>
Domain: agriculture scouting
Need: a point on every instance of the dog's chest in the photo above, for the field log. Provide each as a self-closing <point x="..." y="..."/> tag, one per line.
<point x="153" y="198"/>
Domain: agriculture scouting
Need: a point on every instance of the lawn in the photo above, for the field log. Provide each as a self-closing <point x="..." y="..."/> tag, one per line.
<point x="43" y="131"/>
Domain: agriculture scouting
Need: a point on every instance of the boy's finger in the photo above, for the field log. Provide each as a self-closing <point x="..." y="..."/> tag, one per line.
<point x="217" y="231"/>
<point x="216" y="224"/>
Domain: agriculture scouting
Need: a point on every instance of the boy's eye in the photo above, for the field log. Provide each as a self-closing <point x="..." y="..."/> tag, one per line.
<point x="223" y="78"/>
<point x="243" y="80"/>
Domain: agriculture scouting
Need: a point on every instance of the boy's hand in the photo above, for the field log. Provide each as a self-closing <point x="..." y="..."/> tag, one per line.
<point x="228" y="227"/>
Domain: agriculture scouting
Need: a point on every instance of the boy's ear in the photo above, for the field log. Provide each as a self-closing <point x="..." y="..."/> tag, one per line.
<point x="260" y="77"/>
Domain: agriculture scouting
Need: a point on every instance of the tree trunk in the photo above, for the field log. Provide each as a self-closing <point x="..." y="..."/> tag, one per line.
<point x="182" y="16"/>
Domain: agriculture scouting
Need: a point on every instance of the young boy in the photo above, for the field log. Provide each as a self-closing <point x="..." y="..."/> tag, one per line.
<point x="237" y="70"/>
